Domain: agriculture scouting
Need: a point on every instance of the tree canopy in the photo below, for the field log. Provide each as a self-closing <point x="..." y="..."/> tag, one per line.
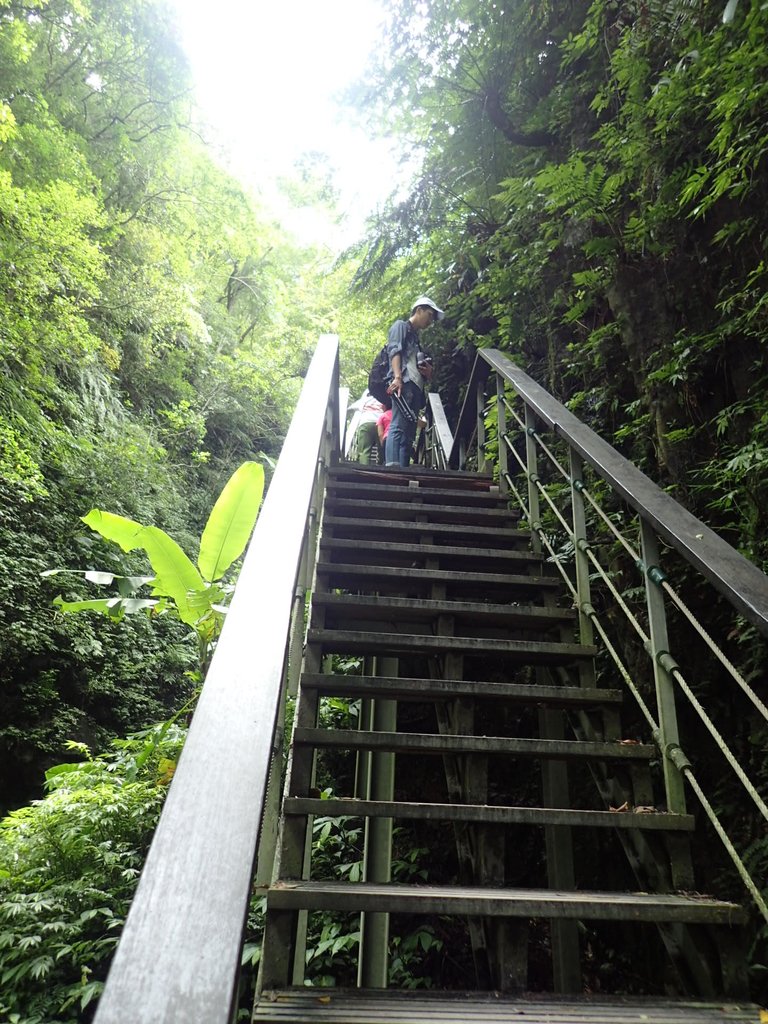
<point x="591" y="199"/>
<point x="156" y="323"/>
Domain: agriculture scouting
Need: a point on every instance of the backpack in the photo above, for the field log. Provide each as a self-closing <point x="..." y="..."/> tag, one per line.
<point x="377" y="379"/>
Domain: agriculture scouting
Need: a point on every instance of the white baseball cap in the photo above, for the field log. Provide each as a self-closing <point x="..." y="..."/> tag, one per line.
<point x="424" y="300"/>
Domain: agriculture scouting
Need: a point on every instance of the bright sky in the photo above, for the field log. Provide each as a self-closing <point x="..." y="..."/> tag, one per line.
<point x="266" y="72"/>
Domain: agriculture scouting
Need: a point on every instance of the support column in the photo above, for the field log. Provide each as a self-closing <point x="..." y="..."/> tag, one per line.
<point x="373" y="964"/>
<point x="665" y="688"/>
<point x="532" y="469"/>
<point x="501" y="428"/>
<point x="482" y="462"/>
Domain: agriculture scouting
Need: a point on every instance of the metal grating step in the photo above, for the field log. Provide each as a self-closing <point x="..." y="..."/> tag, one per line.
<point x="530" y="903"/>
<point x="448" y="689"/>
<point x="485" y="814"/>
<point x="450" y="743"/>
<point x="351" y="1006"/>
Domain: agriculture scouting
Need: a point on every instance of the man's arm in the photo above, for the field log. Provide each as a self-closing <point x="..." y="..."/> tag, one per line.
<point x="395" y="363"/>
<point x="395" y="340"/>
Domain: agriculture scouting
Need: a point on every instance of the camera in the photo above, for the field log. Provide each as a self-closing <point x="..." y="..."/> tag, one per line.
<point x="423" y="358"/>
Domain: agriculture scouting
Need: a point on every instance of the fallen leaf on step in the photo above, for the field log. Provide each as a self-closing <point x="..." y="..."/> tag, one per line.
<point x="645" y="810"/>
<point x="618" y="810"/>
<point x="629" y="743"/>
<point x="323" y="999"/>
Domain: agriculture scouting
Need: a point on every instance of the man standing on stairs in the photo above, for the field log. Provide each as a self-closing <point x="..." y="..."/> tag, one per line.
<point x="408" y="372"/>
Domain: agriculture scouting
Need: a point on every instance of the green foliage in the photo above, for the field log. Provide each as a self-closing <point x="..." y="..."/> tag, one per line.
<point x="179" y="588"/>
<point x="590" y="197"/>
<point x="50" y="269"/>
<point x="69" y="864"/>
<point x="156" y="327"/>
<point x="605" y="220"/>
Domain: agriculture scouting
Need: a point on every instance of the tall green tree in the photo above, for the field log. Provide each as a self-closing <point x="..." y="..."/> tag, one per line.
<point x="155" y="326"/>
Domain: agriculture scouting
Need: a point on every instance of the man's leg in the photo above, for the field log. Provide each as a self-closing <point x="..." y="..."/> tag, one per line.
<point x="413" y="399"/>
<point x="394" y="442"/>
<point x="399" y="451"/>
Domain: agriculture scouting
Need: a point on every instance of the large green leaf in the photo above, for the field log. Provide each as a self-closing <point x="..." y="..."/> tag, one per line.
<point x="126" y="584"/>
<point x="118" y="529"/>
<point x="175" y="574"/>
<point x="114" y="607"/>
<point x="230" y="524"/>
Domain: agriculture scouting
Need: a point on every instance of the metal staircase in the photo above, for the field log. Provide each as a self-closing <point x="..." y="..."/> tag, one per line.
<point x="425" y="578"/>
<point x="504" y="713"/>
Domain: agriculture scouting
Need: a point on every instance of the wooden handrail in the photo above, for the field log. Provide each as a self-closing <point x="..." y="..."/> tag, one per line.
<point x="179" y="955"/>
<point x="741" y="582"/>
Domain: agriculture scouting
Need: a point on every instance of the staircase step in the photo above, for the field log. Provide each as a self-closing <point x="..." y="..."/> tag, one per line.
<point x="364" y="490"/>
<point x="341" y="807"/>
<point x="351" y="897"/>
<point x="379" y="576"/>
<point x="355" y="1006"/>
<point x="388" y="475"/>
<point x="343" y="609"/>
<point x="449" y="743"/>
<point x="408" y="554"/>
<point x="448" y="689"/>
<point x="433" y="513"/>
<point x="378" y="528"/>
<point x="526" y="652"/>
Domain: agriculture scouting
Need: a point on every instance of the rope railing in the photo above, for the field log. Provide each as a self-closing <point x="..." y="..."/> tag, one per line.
<point x="658" y="515"/>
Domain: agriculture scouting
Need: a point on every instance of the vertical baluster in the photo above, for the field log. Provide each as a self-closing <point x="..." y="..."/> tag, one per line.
<point x="373" y="963"/>
<point x="480" y="417"/>
<point x="501" y="422"/>
<point x="580" y="543"/>
<point x="532" y="469"/>
<point x="665" y="687"/>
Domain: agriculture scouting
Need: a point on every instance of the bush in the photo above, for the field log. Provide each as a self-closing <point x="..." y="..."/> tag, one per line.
<point x="69" y="865"/>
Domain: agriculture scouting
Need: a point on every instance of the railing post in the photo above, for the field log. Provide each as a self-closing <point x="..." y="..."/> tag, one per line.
<point x="580" y="543"/>
<point x="482" y="461"/>
<point x="665" y="688"/>
<point x="558" y="839"/>
<point x="532" y="471"/>
<point x="373" y="964"/>
<point x="501" y="431"/>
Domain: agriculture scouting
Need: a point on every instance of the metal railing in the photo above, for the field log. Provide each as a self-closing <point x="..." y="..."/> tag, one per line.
<point x="179" y="955"/>
<point x="583" y="499"/>
<point x="435" y="441"/>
